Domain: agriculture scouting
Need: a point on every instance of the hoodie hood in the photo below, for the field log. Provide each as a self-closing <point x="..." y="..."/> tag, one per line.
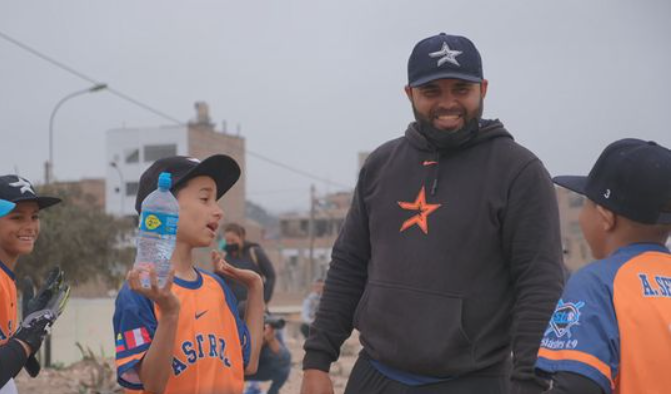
<point x="489" y="129"/>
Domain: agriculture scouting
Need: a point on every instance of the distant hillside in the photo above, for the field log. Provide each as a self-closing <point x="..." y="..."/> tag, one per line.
<point x="270" y="222"/>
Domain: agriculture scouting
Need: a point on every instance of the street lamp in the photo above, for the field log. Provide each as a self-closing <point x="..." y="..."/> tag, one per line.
<point x="50" y="163"/>
<point x="121" y="190"/>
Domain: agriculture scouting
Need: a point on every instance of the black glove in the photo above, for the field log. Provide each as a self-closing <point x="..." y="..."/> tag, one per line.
<point x="53" y="293"/>
<point x="33" y="328"/>
<point x="41" y="312"/>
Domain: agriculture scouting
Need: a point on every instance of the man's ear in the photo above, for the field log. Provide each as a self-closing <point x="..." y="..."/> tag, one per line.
<point x="408" y="92"/>
<point x="483" y="87"/>
<point x="608" y="218"/>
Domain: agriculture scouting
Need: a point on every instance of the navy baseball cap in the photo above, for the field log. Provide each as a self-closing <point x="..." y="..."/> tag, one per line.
<point x="444" y="56"/>
<point x="16" y="189"/>
<point x="6" y="207"/>
<point x="222" y="168"/>
<point x="631" y="178"/>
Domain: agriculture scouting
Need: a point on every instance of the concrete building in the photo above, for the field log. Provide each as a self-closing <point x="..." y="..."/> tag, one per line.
<point x="576" y="250"/>
<point x="87" y="192"/>
<point x="297" y="243"/>
<point x="132" y="150"/>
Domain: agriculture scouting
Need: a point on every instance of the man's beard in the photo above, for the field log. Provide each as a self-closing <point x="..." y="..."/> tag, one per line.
<point x="450" y="139"/>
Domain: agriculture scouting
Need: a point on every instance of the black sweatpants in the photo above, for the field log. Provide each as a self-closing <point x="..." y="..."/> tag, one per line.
<point x="365" y="379"/>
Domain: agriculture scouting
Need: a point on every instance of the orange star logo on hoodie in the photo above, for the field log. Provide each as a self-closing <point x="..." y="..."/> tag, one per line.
<point x="423" y="210"/>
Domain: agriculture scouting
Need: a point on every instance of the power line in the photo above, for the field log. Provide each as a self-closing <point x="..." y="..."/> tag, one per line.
<point x="87" y="78"/>
<point x="295" y="170"/>
<point x="153" y="110"/>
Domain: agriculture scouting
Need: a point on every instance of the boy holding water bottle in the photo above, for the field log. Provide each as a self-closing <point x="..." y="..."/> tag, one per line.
<point x="186" y="337"/>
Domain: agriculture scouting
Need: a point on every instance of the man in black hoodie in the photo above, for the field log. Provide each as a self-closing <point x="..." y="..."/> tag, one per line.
<point x="450" y="257"/>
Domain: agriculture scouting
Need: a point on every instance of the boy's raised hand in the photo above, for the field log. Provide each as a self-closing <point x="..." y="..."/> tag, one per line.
<point x="165" y="299"/>
<point x="248" y="278"/>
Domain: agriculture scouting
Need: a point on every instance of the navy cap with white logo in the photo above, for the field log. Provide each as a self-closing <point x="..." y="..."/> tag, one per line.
<point x="631" y="178"/>
<point x="444" y="56"/>
<point x="221" y="168"/>
<point x="16" y="189"/>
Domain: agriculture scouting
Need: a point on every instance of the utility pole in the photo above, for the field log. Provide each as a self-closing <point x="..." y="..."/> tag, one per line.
<point x="311" y="235"/>
<point x="49" y="167"/>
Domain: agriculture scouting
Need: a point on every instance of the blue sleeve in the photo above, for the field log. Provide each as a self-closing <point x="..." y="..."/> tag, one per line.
<point x="243" y="331"/>
<point x="134" y="328"/>
<point x="582" y="336"/>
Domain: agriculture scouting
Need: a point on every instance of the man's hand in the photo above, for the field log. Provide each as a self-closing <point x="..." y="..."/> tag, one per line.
<point x="316" y="382"/>
<point x="165" y="299"/>
<point x="248" y="278"/>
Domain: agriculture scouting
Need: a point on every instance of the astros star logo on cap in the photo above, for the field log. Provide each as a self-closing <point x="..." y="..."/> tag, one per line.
<point x="24" y="186"/>
<point x="446" y="55"/>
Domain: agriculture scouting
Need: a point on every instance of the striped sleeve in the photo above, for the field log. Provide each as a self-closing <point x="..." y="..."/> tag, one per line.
<point x="134" y="327"/>
<point x="582" y="336"/>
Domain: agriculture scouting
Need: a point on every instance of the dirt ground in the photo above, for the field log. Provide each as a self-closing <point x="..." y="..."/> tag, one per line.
<point x="97" y="376"/>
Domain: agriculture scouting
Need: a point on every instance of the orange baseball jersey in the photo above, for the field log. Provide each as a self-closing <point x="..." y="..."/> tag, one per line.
<point x="613" y="323"/>
<point x="8" y="311"/>
<point x="211" y="347"/>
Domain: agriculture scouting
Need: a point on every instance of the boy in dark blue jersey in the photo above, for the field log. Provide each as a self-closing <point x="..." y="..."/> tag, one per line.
<point x="611" y="330"/>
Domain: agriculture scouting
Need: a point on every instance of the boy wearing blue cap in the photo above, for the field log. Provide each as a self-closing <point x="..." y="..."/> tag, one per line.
<point x="19" y="230"/>
<point x="6" y="207"/>
<point x="611" y="330"/>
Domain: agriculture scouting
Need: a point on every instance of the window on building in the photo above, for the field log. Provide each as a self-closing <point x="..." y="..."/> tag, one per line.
<point x="155" y="152"/>
<point x="292" y="228"/>
<point x="305" y="227"/>
<point x="131" y="188"/>
<point x="321" y="227"/>
<point x="132" y="156"/>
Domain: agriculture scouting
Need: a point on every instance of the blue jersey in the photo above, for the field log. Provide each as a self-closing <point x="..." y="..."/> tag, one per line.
<point x="613" y="323"/>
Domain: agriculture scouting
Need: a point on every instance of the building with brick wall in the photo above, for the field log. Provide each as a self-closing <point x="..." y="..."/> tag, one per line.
<point x="130" y="151"/>
<point x="296" y="244"/>
<point x="88" y="191"/>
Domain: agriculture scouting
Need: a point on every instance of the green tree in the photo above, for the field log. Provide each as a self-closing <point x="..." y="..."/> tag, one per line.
<point x="82" y="239"/>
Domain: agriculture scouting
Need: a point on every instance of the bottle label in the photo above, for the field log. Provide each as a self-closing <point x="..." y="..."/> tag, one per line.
<point x="159" y="223"/>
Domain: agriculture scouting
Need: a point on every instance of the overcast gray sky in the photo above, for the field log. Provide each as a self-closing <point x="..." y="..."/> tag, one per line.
<point x="312" y="83"/>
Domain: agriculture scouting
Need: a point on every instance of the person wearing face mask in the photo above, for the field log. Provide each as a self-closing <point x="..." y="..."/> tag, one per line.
<point x="247" y="255"/>
<point x="449" y="263"/>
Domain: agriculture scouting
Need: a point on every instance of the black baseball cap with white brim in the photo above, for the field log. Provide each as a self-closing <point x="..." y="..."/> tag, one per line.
<point x="16" y="189"/>
<point x="221" y="168"/>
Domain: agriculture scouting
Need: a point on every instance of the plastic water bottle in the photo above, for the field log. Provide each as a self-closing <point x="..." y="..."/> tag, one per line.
<point x="158" y="231"/>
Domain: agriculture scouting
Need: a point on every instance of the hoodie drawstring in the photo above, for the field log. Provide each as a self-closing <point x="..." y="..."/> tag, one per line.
<point x="435" y="173"/>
